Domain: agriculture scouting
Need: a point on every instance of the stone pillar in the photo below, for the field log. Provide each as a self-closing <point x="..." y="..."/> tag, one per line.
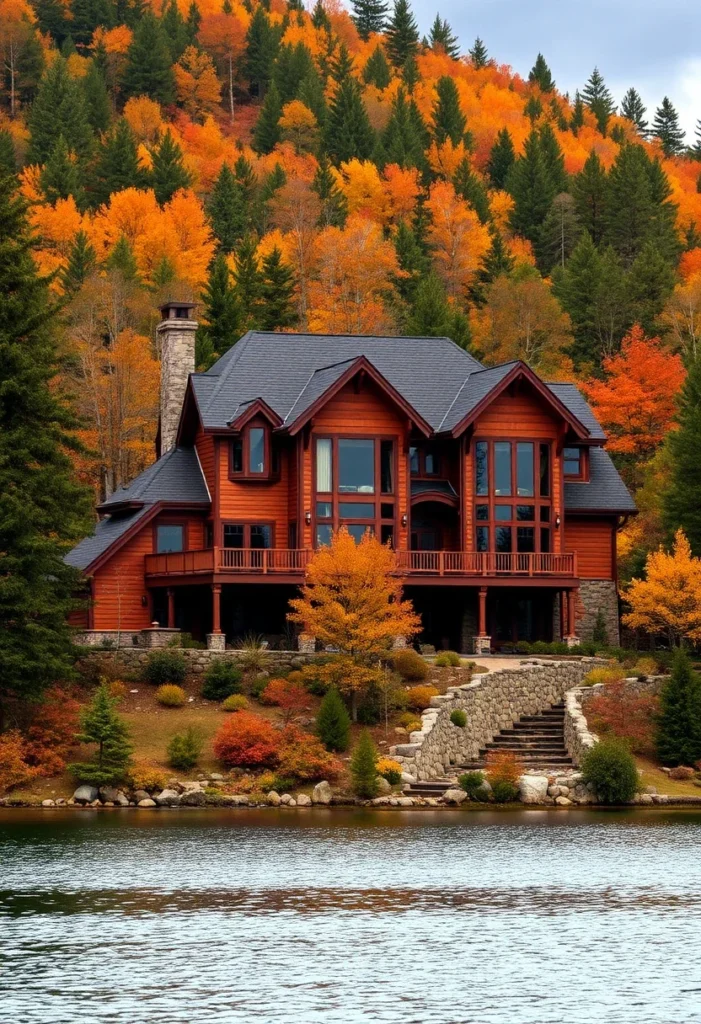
<point x="176" y="334"/>
<point x="598" y="596"/>
<point x="216" y="642"/>
<point x="171" y="608"/>
<point x="306" y="643"/>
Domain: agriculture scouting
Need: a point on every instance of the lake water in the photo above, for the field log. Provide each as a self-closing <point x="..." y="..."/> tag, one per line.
<point x="215" y="917"/>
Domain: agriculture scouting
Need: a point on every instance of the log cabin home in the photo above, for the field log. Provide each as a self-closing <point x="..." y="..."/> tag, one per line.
<point x="493" y="486"/>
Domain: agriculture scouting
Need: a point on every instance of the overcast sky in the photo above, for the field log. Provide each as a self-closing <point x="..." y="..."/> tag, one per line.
<point x="654" y="45"/>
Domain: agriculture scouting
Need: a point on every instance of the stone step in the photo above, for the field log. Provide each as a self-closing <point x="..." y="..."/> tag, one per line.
<point x="540" y="763"/>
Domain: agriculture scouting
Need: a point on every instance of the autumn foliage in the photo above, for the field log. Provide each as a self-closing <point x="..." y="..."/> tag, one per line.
<point x="291" y="698"/>
<point x="667" y="602"/>
<point x="246" y="740"/>
<point x="627" y="713"/>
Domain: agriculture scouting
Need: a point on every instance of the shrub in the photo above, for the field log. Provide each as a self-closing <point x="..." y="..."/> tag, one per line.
<point x="600" y="634"/>
<point x="304" y="758"/>
<point x="221" y="679"/>
<point x="51" y="734"/>
<point x="410" y="722"/>
<point x="236" y="702"/>
<point x="644" y="667"/>
<point x="102" y="726"/>
<point x="610" y="768"/>
<point x="171" y="696"/>
<point x="364" y="767"/>
<point x="682" y="772"/>
<point x="369" y="707"/>
<point x="118" y="690"/>
<point x="185" y="748"/>
<point x="333" y="722"/>
<point x="626" y="714"/>
<point x="420" y="696"/>
<point x="187" y="643"/>
<point x="291" y="698"/>
<point x="606" y="674"/>
<point x="459" y="718"/>
<point x="447" y="659"/>
<point x="144" y="774"/>
<point x="679" y="722"/>
<point x="166" y="666"/>
<point x="410" y="665"/>
<point x="253" y="655"/>
<point x="390" y="770"/>
<point x="94" y="670"/>
<point x="246" y="740"/>
<point x="504" y="792"/>
<point x="472" y="783"/>
<point x="503" y="766"/>
<point x="14" y="770"/>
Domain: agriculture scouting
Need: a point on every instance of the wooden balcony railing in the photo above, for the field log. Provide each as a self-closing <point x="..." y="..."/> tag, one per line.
<point x="286" y="561"/>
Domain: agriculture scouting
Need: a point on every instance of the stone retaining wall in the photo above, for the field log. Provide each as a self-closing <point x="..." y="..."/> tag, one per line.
<point x="578" y="739"/>
<point x="198" y="661"/>
<point x="491" y="702"/>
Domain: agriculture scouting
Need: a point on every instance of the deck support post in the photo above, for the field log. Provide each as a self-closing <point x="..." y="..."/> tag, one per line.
<point x="483" y="642"/>
<point x="171" y="608"/>
<point x="571" y="639"/>
<point x="216" y="608"/>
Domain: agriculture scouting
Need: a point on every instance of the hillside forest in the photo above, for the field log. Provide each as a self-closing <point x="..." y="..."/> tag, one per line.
<point x="329" y="170"/>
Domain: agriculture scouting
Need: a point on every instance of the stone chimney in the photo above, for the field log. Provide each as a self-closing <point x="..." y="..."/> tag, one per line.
<point x="176" y="333"/>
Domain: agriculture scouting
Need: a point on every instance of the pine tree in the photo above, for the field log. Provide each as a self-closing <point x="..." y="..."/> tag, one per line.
<point x="650" y="284"/>
<point x="695" y="150"/>
<point x="262" y="42"/>
<point x="118" y="164"/>
<point x="681" y="504"/>
<point x="449" y="122"/>
<point x="267" y="132"/>
<point x="311" y="93"/>
<point x="44" y="511"/>
<point x="148" y="70"/>
<point x="665" y="127"/>
<point x="348" y="132"/>
<point x="363" y="767"/>
<point x="410" y="75"/>
<point x="293" y="64"/>
<point x="413" y="261"/>
<point x="333" y="722"/>
<point x="401" y="141"/>
<point x="478" y="54"/>
<point x="86" y="16"/>
<point x="496" y="262"/>
<point x="442" y="37"/>
<point x="377" y="71"/>
<point x="59" y="177"/>
<point x="470" y="188"/>
<point x="599" y="100"/>
<point x="369" y="16"/>
<point x="401" y="34"/>
<point x="638" y="206"/>
<point x="553" y="158"/>
<point x="168" y="173"/>
<point x="633" y="109"/>
<point x="30" y="68"/>
<point x="222" y="316"/>
<point x="431" y="315"/>
<point x="277" y="305"/>
<point x="247" y="282"/>
<point x="502" y="157"/>
<point x="540" y="74"/>
<point x="123" y="262"/>
<point x="320" y="18"/>
<point x="82" y="261"/>
<point x="102" y="726"/>
<point x="533" y="109"/>
<point x="679" y="723"/>
<point x="8" y="157"/>
<point x="559" y="233"/>
<point x="194" y="20"/>
<point x="96" y="99"/>
<point x="531" y="188"/>
<point x="334" y="206"/>
<point x="59" y="109"/>
<point x="226" y="210"/>
<point x="589" y="190"/>
<point x="175" y="30"/>
<point x="577" y="119"/>
<point x="52" y="19"/>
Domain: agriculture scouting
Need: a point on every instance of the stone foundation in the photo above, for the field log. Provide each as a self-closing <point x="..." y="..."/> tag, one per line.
<point x="482" y="645"/>
<point x="108" y="639"/>
<point x="595" y="595"/>
<point x="133" y="659"/>
<point x="216" y="641"/>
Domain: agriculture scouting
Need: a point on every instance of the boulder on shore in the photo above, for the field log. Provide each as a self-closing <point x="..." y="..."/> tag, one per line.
<point x="533" y="789"/>
<point x="455" y="796"/>
<point x="168" y="798"/>
<point x="321" y="794"/>
<point x="85" y="794"/>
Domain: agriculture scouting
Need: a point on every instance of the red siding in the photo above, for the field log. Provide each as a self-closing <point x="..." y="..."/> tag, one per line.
<point x="205" y="450"/>
<point x="594" y="541"/>
<point x="254" y="502"/>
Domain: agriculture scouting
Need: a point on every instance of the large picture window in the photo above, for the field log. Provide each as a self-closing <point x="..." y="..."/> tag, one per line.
<point x="354" y="477"/>
<point x="170" y="537"/>
<point x="509" y="515"/>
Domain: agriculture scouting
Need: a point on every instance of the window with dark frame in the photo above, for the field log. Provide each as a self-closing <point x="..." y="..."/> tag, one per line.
<point x="573" y="463"/>
<point x="511" y="515"/>
<point x="257" y="536"/>
<point x="352" y="478"/>
<point x="253" y="454"/>
<point x="424" y="461"/>
<point x="170" y="537"/>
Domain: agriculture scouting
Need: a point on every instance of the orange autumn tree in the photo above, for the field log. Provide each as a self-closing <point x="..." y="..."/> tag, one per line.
<point x="668" y="601"/>
<point x="196" y="83"/>
<point x="457" y="238"/>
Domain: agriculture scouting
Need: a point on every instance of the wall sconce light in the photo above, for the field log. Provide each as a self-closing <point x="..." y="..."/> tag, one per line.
<point x="308" y="518"/>
<point x="404" y="519"/>
<point x="144" y="601"/>
<point x="557" y="522"/>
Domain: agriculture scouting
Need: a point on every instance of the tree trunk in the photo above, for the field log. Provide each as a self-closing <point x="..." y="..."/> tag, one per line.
<point x="231" y="88"/>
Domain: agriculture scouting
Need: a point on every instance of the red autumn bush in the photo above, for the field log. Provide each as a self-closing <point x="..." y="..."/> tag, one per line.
<point x="246" y="740"/>
<point x="504" y="766"/>
<point x="14" y="770"/>
<point x="682" y="773"/>
<point x="51" y="735"/>
<point x="303" y="757"/>
<point x="291" y="697"/>
<point x="625" y="713"/>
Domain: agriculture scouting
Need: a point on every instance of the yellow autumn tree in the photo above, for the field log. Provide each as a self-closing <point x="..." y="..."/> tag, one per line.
<point x="457" y="238"/>
<point x="668" y="601"/>
<point x="196" y="83"/>
<point x="299" y="126"/>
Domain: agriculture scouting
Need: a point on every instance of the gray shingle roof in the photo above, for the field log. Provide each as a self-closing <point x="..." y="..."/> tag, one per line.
<point x="605" y="491"/>
<point x="476" y="387"/>
<point x="176" y="476"/>
<point x="107" y="532"/>
<point x="572" y="398"/>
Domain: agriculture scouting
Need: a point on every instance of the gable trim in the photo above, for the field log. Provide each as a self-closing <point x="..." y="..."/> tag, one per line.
<point x="135" y="527"/>
<point x="255" y="407"/>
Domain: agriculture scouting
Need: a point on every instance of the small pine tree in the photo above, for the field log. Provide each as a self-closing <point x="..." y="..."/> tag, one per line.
<point x="267" y="132"/>
<point x="679" y="722"/>
<point x="532" y="189"/>
<point x="59" y="177"/>
<point x="123" y="262"/>
<point x="502" y="157"/>
<point x="599" y="100"/>
<point x="226" y="209"/>
<point x="478" y="54"/>
<point x="102" y="726"/>
<point x="59" y="109"/>
<point x="577" y="119"/>
<point x="449" y="122"/>
<point x="97" y="100"/>
<point x="469" y="187"/>
<point x="333" y="722"/>
<point x="118" y="164"/>
<point x="681" y="499"/>
<point x="363" y="767"/>
<point x="540" y="74"/>
<point x="589" y="191"/>
<point x="600" y="633"/>
<point x="666" y="128"/>
<point x="81" y="263"/>
<point x="262" y="42"/>
<point x="442" y="38"/>
<point x="148" y="70"/>
<point x="277" y="307"/>
<point x="633" y="109"/>
<point x="377" y="71"/>
<point x="369" y="16"/>
<point x="695" y="150"/>
<point x="401" y="34"/>
<point x="8" y="157"/>
<point x="403" y="140"/>
<point x="168" y="173"/>
<point x="222" y="318"/>
<point x="173" y="25"/>
<point x="559" y="233"/>
<point x="247" y="282"/>
<point x="334" y="206"/>
<point x="348" y="131"/>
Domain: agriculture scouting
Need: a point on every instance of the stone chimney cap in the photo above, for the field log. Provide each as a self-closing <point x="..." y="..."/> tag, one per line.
<point x="177" y="309"/>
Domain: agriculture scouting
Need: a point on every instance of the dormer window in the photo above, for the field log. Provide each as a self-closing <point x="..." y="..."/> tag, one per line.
<point x="251" y="456"/>
<point x="574" y="463"/>
<point x="256" y="450"/>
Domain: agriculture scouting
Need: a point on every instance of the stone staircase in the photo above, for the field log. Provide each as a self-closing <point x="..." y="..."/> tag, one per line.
<point x="539" y="740"/>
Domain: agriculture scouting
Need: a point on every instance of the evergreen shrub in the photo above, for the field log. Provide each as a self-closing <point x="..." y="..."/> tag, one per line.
<point x="221" y="679"/>
<point x="364" y="767"/>
<point x="410" y="665"/>
<point x="166" y="666"/>
<point x="447" y="659"/>
<point x="473" y="784"/>
<point x="333" y="722"/>
<point x="236" y="702"/>
<point x="610" y="768"/>
<point x="459" y="718"/>
<point x="679" y="723"/>
<point x="185" y="748"/>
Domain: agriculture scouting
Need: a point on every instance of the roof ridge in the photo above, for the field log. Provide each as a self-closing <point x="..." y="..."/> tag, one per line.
<point x="238" y="347"/>
<point x="455" y="398"/>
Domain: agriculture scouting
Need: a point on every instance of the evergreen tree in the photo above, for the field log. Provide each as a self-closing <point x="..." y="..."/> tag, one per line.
<point x="277" y="306"/>
<point x="681" y="504"/>
<point x="175" y="30"/>
<point x="30" y="68"/>
<point x="59" y="177"/>
<point x="377" y="71"/>
<point x="650" y="284"/>
<point x="148" y="70"/>
<point x="168" y="173"/>
<point x="118" y="164"/>
<point x="470" y="188"/>
<point x="589" y="191"/>
<point x="267" y="132"/>
<point x="59" y="109"/>
<point x="533" y="109"/>
<point x="369" y="16"/>
<point x="348" y="131"/>
<point x="320" y="18"/>
<point x="334" y="206"/>
<point x="599" y="100"/>
<point x="633" y="109"/>
<point x="540" y="74"/>
<point x="44" y="511"/>
<point x="123" y="262"/>
<point x="226" y="210"/>
<point x="8" y="157"/>
<point x="86" y="16"/>
<point x="559" y="233"/>
<point x="496" y="262"/>
<point x="449" y="122"/>
<point x="82" y="261"/>
<point x="222" y="316"/>
<point x="478" y="54"/>
<point x="97" y="101"/>
<point x="442" y="37"/>
<point x="52" y="19"/>
<point x="553" y="158"/>
<point x="679" y="722"/>
<point x="294" y="63"/>
<point x="695" y="151"/>
<point x="413" y="261"/>
<point x="401" y="34"/>
<point x="401" y="142"/>
<point x="311" y="94"/>
<point x="410" y="75"/>
<point x="532" y="190"/>
<point x="431" y="314"/>
<point x="577" y="119"/>
<point x="262" y="42"/>
<point x="665" y="127"/>
<point x="101" y="725"/>
<point x="502" y="157"/>
<point x="194" y="20"/>
<point x="247" y="282"/>
<point x="638" y="207"/>
<point x="333" y="722"/>
<point x="363" y="767"/>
